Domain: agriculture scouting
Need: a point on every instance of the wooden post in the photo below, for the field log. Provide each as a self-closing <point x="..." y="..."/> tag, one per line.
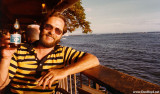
<point x="66" y="84"/>
<point x="89" y="82"/>
<point x="75" y="84"/>
<point x="97" y="86"/>
<point x="70" y="84"/>
<point x="81" y="80"/>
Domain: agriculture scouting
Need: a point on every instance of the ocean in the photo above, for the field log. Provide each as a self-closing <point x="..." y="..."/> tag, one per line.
<point x="136" y="54"/>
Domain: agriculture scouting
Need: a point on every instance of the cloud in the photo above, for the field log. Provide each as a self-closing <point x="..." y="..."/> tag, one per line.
<point x="89" y="18"/>
<point x="88" y="9"/>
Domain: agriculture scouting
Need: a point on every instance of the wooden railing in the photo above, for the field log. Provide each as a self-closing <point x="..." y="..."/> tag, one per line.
<point x="69" y="84"/>
<point x="113" y="82"/>
<point x="117" y="82"/>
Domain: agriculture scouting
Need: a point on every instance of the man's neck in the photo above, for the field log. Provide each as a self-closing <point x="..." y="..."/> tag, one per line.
<point x="42" y="51"/>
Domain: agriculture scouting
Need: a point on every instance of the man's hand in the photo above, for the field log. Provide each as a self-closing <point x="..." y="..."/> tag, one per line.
<point x="51" y="76"/>
<point x="6" y="51"/>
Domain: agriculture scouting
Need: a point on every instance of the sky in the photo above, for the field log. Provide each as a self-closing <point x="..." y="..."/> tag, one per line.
<point x="122" y="16"/>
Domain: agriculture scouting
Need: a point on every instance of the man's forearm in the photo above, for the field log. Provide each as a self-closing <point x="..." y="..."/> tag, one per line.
<point x="86" y="62"/>
<point x="5" y="83"/>
<point x="4" y="65"/>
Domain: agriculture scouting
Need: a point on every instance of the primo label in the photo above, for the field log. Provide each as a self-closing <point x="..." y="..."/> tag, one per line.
<point x="15" y="38"/>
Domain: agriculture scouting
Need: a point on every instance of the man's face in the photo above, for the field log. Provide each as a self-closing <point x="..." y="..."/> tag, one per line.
<point x="52" y="32"/>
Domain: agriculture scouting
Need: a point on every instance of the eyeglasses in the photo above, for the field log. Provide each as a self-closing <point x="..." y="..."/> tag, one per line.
<point x="50" y="27"/>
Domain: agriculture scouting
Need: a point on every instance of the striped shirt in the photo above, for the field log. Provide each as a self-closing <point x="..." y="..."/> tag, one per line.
<point x="25" y="68"/>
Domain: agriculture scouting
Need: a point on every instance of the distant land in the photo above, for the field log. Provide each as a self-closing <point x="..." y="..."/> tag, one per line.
<point x="78" y="33"/>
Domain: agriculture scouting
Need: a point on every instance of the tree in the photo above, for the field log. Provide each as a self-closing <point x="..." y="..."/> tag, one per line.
<point x="76" y="18"/>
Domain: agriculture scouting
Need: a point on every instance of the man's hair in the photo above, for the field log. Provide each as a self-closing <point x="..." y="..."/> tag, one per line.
<point x="56" y="14"/>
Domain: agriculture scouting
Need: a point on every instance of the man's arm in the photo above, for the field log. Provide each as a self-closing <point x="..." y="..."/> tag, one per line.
<point x="5" y="83"/>
<point x="6" y="55"/>
<point x="4" y="79"/>
<point x="86" y="62"/>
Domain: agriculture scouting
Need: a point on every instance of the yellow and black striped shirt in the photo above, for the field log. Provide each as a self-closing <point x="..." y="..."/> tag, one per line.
<point x="25" y="67"/>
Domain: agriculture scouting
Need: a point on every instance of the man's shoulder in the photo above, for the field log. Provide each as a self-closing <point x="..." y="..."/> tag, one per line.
<point x="63" y="47"/>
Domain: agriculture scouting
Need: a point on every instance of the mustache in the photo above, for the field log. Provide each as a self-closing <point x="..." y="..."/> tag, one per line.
<point x="48" y="34"/>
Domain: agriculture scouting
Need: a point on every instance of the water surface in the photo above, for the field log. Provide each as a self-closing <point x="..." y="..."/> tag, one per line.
<point x="137" y="54"/>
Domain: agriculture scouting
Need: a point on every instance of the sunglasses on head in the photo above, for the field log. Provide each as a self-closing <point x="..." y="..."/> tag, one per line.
<point x="50" y="27"/>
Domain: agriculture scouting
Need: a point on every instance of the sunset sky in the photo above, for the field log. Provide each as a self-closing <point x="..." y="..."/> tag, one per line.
<point x="121" y="16"/>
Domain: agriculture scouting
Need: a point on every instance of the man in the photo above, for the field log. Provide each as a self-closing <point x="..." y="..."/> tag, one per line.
<point x="36" y="68"/>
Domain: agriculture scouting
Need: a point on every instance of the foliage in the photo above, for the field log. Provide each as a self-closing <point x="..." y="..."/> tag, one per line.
<point x="76" y="18"/>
